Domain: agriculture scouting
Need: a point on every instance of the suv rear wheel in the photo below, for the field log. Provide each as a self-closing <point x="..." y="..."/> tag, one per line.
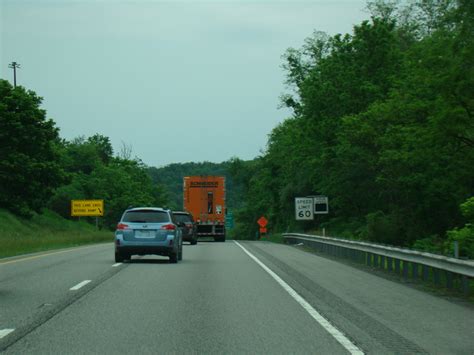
<point x="118" y="257"/>
<point x="174" y="258"/>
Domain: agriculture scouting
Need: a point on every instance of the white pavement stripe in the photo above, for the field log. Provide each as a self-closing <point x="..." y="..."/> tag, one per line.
<point x="338" y="335"/>
<point x="5" y="332"/>
<point x="115" y="265"/>
<point x="79" y="285"/>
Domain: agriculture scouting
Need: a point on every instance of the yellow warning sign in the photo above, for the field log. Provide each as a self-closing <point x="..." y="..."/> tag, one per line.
<point x="83" y="208"/>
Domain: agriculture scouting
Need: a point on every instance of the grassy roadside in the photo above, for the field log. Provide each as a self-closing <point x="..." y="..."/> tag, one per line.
<point x="273" y="237"/>
<point x="45" y="232"/>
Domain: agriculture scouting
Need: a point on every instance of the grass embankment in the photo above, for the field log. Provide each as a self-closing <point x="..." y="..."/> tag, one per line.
<point x="273" y="237"/>
<point x="44" y="232"/>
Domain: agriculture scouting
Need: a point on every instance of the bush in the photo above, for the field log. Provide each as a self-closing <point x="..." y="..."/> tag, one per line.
<point x="382" y="228"/>
<point x="464" y="236"/>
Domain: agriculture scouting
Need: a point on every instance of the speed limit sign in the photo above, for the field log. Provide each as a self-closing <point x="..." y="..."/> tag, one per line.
<point x="304" y="208"/>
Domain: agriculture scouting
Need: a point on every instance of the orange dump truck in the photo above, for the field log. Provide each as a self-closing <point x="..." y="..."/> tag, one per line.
<point x="204" y="198"/>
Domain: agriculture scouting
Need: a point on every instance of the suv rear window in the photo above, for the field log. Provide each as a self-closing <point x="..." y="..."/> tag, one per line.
<point x="146" y="216"/>
<point x="181" y="217"/>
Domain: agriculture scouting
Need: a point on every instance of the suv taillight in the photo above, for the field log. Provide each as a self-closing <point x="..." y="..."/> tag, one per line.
<point x="122" y="226"/>
<point x="169" y="227"/>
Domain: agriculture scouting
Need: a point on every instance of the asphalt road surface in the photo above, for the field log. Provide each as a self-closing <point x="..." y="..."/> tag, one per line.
<point x="246" y="297"/>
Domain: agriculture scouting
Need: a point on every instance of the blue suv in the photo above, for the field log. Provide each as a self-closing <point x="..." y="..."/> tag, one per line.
<point x="148" y="230"/>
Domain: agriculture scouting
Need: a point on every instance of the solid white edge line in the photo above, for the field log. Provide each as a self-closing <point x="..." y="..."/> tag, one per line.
<point x="117" y="264"/>
<point x="338" y="335"/>
<point x="5" y="332"/>
<point x="79" y="285"/>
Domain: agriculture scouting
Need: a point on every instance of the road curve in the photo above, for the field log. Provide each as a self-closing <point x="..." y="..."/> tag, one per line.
<point x="219" y="299"/>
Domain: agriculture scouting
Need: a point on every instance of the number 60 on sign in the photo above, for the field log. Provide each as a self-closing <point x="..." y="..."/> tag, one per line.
<point x="304" y="208"/>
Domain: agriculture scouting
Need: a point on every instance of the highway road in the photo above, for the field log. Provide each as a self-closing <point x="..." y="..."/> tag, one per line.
<point x="245" y="297"/>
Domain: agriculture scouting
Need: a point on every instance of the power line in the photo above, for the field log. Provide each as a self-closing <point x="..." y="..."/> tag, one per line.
<point x="14" y="65"/>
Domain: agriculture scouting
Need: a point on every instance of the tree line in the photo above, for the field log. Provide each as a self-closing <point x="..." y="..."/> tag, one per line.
<point x="383" y="124"/>
<point x="40" y="170"/>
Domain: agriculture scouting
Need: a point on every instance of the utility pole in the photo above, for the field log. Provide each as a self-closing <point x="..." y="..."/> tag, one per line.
<point x="14" y="65"/>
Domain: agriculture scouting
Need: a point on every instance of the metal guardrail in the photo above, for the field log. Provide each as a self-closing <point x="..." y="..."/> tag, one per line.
<point x="410" y="263"/>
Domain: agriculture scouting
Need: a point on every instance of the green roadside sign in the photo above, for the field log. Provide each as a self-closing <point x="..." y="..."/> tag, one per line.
<point x="229" y="220"/>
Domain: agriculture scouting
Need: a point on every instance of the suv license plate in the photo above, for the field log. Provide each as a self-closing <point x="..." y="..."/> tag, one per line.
<point x="144" y="234"/>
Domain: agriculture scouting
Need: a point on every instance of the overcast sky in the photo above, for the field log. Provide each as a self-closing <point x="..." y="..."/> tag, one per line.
<point x="178" y="81"/>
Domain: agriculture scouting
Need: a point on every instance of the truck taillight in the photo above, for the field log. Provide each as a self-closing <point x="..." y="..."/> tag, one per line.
<point x="122" y="226"/>
<point x="169" y="227"/>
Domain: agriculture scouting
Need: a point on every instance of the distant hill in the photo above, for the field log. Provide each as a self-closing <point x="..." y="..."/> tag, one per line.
<point x="171" y="178"/>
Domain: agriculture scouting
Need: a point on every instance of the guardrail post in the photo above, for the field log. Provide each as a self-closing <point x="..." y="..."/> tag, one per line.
<point x="382" y="261"/>
<point x="449" y="279"/>
<point x="426" y="272"/>
<point x="397" y="266"/>
<point x="436" y="276"/>
<point x="465" y="284"/>
<point x="369" y="259"/>
<point x="415" y="271"/>
<point x="405" y="269"/>
<point x="389" y="264"/>
<point x="376" y="260"/>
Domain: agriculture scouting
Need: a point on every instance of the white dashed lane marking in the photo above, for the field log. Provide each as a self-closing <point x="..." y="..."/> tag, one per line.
<point x="79" y="285"/>
<point x="5" y="332"/>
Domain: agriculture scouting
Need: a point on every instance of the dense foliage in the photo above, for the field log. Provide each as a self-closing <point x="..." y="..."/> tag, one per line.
<point x="382" y="124"/>
<point x="29" y="151"/>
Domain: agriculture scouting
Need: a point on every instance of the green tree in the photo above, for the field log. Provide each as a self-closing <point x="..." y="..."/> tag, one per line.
<point x="29" y="151"/>
<point x="465" y="235"/>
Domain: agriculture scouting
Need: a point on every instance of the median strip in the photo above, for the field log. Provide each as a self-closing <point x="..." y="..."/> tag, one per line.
<point x="79" y="285"/>
<point x="338" y="335"/>
<point x="5" y="332"/>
